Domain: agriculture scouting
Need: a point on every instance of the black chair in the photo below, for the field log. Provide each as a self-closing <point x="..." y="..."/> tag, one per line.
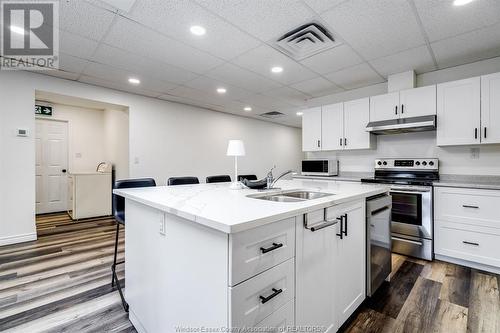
<point x="249" y="177"/>
<point x="182" y="181"/>
<point x="119" y="213"/>
<point x="218" y="179"/>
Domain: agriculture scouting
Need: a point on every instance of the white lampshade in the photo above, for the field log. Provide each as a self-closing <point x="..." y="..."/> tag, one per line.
<point x="235" y="148"/>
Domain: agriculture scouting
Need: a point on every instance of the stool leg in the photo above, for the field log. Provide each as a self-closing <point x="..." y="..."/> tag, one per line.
<point x="113" y="267"/>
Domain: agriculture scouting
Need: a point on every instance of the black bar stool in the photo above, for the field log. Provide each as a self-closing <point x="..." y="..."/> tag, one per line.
<point x="249" y="177"/>
<point x="218" y="179"/>
<point x="182" y="181"/>
<point x="119" y="213"/>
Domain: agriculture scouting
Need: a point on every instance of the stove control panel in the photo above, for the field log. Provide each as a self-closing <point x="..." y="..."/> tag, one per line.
<point x="407" y="163"/>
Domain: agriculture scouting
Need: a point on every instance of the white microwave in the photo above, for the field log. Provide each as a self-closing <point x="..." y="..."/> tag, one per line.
<point x="320" y="167"/>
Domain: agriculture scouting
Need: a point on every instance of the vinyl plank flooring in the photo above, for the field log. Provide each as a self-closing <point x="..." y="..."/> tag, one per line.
<point x="449" y="317"/>
<point x="390" y="297"/>
<point x="370" y="321"/>
<point x="456" y="285"/>
<point x="484" y="303"/>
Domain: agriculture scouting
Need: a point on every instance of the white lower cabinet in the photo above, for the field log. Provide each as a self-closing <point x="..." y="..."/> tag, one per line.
<point x="467" y="226"/>
<point x="330" y="273"/>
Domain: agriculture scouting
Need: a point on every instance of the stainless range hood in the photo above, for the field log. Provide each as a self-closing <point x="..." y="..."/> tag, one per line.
<point x="404" y="125"/>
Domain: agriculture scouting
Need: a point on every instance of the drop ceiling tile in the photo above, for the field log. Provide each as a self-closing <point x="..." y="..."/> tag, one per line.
<point x="59" y="74"/>
<point x="122" y="6"/>
<point x="418" y="59"/>
<point x="120" y="77"/>
<point x="115" y="57"/>
<point x="261" y="59"/>
<point x="376" y="28"/>
<point x="76" y="45"/>
<point x="175" y="17"/>
<point x="320" y="6"/>
<point x="113" y="85"/>
<point x="199" y="96"/>
<point x="317" y="87"/>
<point x="333" y="60"/>
<point x="288" y="95"/>
<point x="135" y="38"/>
<point x="469" y="47"/>
<point x="263" y="19"/>
<point x="188" y="101"/>
<point x="82" y="18"/>
<point x="355" y="77"/>
<point x="441" y="19"/>
<point x="266" y="102"/>
<point x="242" y="78"/>
<point x="210" y="86"/>
<point x="71" y="64"/>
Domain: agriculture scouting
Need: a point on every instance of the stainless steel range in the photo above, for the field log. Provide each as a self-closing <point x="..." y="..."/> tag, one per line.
<point x="412" y="203"/>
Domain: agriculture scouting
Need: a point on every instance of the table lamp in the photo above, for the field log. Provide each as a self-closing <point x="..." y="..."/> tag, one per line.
<point x="236" y="148"/>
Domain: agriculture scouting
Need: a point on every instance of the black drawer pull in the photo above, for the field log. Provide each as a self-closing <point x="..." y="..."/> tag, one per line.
<point x="275" y="293"/>
<point x="470" y="206"/>
<point x="274" y="247"/>
<point x="470" y="243"/>
<point x="345" y="227"/>
<point x="341" y="219"/>
<point x="475" y="133"/>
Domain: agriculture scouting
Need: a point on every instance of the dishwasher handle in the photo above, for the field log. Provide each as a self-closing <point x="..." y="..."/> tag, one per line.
<point x="380" y="210"/>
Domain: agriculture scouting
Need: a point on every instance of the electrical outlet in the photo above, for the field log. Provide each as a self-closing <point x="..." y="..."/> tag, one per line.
<point x="474" y="153"/>
<point x="163" y="226"/>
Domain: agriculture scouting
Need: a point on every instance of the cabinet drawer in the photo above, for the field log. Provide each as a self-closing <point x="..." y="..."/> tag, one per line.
<point x="468" y="206"/>
<point x="253" y="251"/>
<point x="255" y="299"/>
<point x="478" y="247"/>
<point x="279" y="320"/>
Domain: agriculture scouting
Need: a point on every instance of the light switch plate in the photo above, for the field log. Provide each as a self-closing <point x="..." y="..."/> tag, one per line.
<point x="22" y="132"/>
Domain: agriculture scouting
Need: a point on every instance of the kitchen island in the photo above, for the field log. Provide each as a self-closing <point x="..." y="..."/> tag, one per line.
<point x="207" y="258"/>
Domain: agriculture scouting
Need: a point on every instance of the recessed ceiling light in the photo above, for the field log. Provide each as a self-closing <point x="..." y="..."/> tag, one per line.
<point x="221" y="90"/>
<point x="299" y="113"/>
<point x="247" y="108"/>
<point x="461" y="2"/>
<point x="277" y="69"/>
<point x="198" y="30"/>
<point x="17" y="30"/>
<point x="133" y="80"/>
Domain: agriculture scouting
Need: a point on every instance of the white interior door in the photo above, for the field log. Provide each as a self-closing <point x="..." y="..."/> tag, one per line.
<point x="51" y="165"/>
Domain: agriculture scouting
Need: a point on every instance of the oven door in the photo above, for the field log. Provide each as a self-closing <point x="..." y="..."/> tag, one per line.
<point x="412" y="211"/>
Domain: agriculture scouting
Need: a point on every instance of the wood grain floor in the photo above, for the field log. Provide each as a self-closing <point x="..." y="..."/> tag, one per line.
<point x="61" y="283"/>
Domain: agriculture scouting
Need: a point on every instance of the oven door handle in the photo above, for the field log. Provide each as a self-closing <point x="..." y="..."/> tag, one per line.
<point x="409" y="192"/>
<point x="407" y="241"/>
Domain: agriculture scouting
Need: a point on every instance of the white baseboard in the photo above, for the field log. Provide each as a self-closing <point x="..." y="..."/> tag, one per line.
<point x="17" y="239"/>
<point x="487" y="268"/>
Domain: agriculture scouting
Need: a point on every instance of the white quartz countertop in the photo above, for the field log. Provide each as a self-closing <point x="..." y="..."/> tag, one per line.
<point x="217" y="206"/>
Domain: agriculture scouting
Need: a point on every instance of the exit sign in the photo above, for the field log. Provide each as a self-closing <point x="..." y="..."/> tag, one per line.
<point x="43" y="110"/>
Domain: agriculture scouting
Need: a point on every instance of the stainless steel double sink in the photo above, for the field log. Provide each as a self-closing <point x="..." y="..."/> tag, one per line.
<point x="290" y="196"/>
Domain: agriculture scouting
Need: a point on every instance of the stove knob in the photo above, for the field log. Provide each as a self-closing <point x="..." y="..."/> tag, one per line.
<point x="385" y="163"/>
<point x="424" y="163"/>
<point x="417" y="163"/>
<point x="379" y="163"/>
<point x="431" y="163"/>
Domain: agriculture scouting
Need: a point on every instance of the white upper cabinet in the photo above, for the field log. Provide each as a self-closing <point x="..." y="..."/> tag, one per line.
<point x="311" y="129"/>
<point x="458" y="112"/>
<point x="417" y="102"/>
<point x="356" y="117"/>
<point x="384" y="107"/>
<point x="332" y="126"/>
<point x="490" y="108"/>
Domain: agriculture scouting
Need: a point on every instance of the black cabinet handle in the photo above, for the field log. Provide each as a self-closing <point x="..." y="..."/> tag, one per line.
<point x="402" y="108"/>
<point x="396" y="110"/>
<point x="272" y="248"/>
<point x="318" y="143"/>
<point x="485" y="132"/>
<point x="470" y="243"/>
<point x="341" y="235"/>
<point x="63" y="170"/>
<point x="341" y="141"/>
<point x="475" y="133"/>
<point x="470" y="206"/>
<point x="275" y="293"/>
<point x="345" y="226"/>
<point x="345" y="142"/>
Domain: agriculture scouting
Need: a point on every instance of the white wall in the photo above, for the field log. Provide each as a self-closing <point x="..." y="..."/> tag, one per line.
<point x="454" y="160"/>
<point x="165" y="139"/>
<point x="116" y="138"/>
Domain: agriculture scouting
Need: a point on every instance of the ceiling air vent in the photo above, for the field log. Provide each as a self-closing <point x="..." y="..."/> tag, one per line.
<point x="305" y="41"/>
<point x="272" y="114"/>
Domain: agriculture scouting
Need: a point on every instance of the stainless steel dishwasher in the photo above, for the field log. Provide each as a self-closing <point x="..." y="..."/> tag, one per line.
<point x="378" y="237"/>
